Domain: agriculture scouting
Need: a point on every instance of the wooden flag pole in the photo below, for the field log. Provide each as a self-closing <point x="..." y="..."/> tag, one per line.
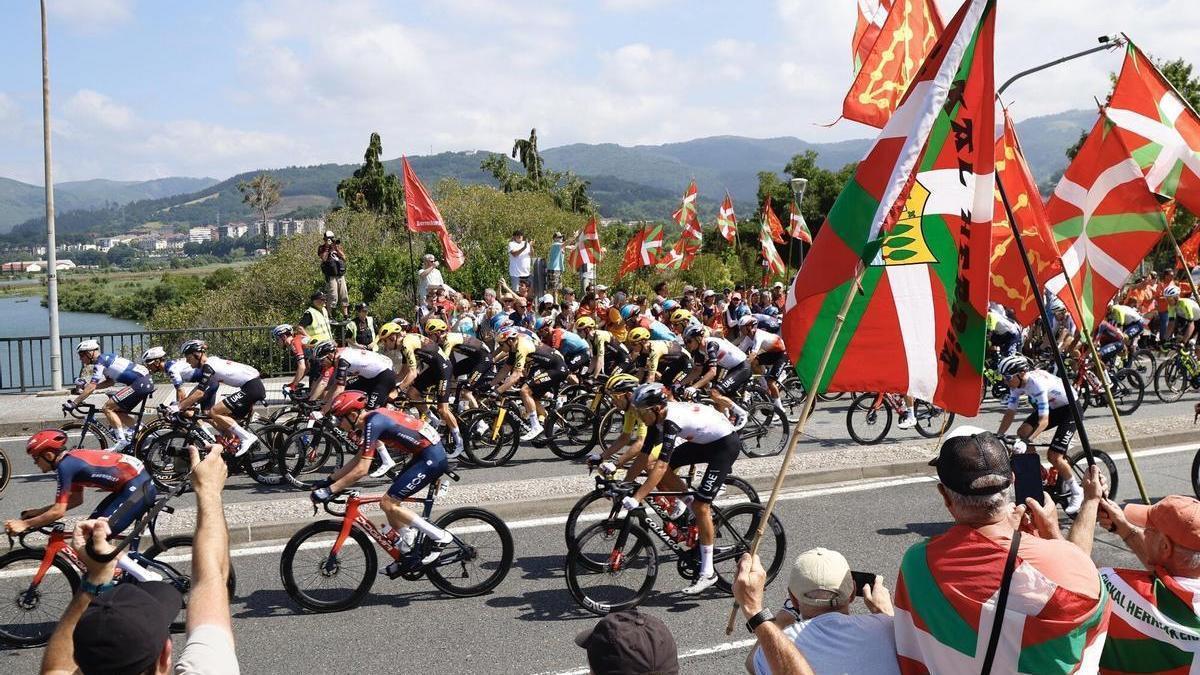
<point x="809" y="400"/>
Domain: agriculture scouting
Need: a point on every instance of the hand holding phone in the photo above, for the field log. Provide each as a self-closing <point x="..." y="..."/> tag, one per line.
<point x="1027" y="467"/>
<point x="862" y="579"/>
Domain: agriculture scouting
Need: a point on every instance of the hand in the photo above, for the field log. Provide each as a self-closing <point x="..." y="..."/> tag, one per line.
<point x="287" y="390"/>
<point x="1112" y="518"/>
<point x="1095" y="484"/>
<point x="877" y="597"/>
<point x="689" y="393"/>
<point x="629" y="503"/>
<point x="96" y="531"/>
<point x="1044" y="516"/>
<point x="608" y="468"/>
<point x="173" y="407"/>
<point x="321" y="495"/>
<point x="748" y="586"/>
<point x="1019" y="446"/>
<point x="208" y="476"/>
<point x="593" y="456"/>
<point x="14" y="527"/>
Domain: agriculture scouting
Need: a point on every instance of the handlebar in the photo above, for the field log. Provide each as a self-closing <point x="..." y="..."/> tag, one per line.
<point x="47" y="530"/>
<point x="79" y="411"/>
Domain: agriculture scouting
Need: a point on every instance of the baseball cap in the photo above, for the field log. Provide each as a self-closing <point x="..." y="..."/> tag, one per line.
<point x="971" y="460"/>
<point x="316" y="296"/>
<point x="1177" y="517"/>
<point x="708" y="293"/>
<point x="547" y="298"/>
<point x="600" y="287"/>
<point x="630" y="642"/>
<point x="124" y="629"/>
<point x="429" y="256"/>
<point x="736" y="296"/>
<point x="689" y="289"/>
<point x="821" y="578"/>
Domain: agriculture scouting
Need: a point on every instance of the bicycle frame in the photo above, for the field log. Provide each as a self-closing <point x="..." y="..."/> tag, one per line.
<point x="89" y="420"/>
<point x="353" y="517"/>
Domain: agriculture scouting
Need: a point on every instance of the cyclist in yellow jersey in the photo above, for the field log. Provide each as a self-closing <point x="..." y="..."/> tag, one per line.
<point x="1184" y="311"/>
<point x="663" y="361"/>
<point x="609" y="356"/>
<point x="469" y="358"/>
<point x="633" y="429"/>
<point x="535" y="368"/>
<point x="435" y="378"/>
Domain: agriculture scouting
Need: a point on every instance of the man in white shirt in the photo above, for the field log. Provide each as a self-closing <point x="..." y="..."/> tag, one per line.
<point x="429" y="276"/>
<point x="518" y="258"/>
<point x="818" y="619"/>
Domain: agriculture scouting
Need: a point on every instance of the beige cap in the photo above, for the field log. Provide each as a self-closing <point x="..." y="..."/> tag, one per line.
<point x="821" y="578"/>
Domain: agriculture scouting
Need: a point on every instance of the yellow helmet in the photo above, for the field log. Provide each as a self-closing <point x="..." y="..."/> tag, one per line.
<point x="585" y="322"/>
<point x="436" y="326"/>
<point x="639" y="334"/>
<point x="621" y="382"/>
<point x="387" y="330"/>
<point x="681" y="315"/>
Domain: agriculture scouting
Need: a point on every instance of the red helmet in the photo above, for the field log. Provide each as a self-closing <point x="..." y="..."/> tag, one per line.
<point x="46" y="440"/>
<point x="347" y="402"/>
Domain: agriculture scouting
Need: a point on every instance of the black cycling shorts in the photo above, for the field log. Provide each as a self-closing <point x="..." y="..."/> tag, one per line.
<point x="434" y="381"/>
<point x="131" y="395"/>
<point x="1063" y="423"/>
<point x="719" y="457"/>
<point x="543" y="381"/>
<point x="241" y="402"/>
<point x="377" y="388"/>
<point x="577" y="362"/>
<point x="733" y="380"/>
<point x="669" y="374"/>
<point x="773" y="364"/>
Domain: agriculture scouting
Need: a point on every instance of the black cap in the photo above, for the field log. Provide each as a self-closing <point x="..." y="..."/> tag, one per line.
<point x="316" y="296"/>
<point x="973" y="463"/>
<point x="125" y="628"/>
<point x="630" y="642"/>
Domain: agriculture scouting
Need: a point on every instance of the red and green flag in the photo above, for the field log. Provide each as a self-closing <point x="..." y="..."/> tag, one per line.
<point x="904" y="41"/>
<point x="1105" y="222"/>
<point x="1161" y="131"/>
<point x="688" y="244"/>
<point x="651" y="244"/>
<point x="771" y="259"/>
<point x="917" y="216"/>
<point x="587" y="246"/>
<point x="727" y="220"/>
<point x="1155" y="625"/>
<point x="798" y="228"/>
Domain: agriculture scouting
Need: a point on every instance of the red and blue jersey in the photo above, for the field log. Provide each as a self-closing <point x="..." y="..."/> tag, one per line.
<point x="397" y="431"/>
<point x="107" y="471"/>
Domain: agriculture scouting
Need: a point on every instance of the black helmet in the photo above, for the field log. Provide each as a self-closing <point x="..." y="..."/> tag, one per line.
<point x="649" y="395"/>
<point x="194" y="347"/>
<point x="324" y="348"/>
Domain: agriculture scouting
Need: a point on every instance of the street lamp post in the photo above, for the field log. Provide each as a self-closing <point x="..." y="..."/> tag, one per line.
<point x="798" y="187"/>
<point x="56" y="378"/>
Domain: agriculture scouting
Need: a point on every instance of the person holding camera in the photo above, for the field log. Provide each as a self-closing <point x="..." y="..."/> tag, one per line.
<point x="333" y="266"/>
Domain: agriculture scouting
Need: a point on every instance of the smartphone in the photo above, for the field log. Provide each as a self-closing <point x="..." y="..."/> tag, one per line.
<point x="862" y="579"/>
<point x="1027" y="466"/>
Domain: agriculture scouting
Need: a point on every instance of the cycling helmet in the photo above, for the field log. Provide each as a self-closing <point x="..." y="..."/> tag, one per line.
<point x="1171" y="292"/>
<point x="748" y="320"/>
<point x="1056" y="305"/>
<point x="436" y="326"/>
<point x="1013" y="365"/>
<point x="500" y="322"/>
<point x="388" y="329"/>
<point x="629" y="310"/>
<point x="281" y="330"/>
<point x="348" y="402"/>
<point x="621" y="383"/>
<point x="87" y="346"/>
<point x="509" y="333"/>
<point x="324" y="348"/>
<point x="540" y="323"/>
<point x="193" y="347"/>
<point x="585" y="322"/>
<point x="669" y="305"/>
<point x="649" y="395"/>
<point x="693" y="333"/>
<point x="681" y="316"/>
<point x="46" y="440"/>
<point x="639" y="334"/>
<point x="153" y="354"/>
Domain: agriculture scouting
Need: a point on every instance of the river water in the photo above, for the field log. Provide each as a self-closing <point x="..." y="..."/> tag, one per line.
<point x="25" y="316"/>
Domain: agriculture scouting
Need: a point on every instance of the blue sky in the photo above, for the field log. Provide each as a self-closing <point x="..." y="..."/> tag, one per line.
<point x="145" y="88"/>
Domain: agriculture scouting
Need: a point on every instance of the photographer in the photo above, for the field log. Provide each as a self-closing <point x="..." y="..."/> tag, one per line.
<point x="333" y="266"/>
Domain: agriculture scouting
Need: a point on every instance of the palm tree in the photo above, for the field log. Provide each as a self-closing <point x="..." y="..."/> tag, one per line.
<point x="526" y="151"/>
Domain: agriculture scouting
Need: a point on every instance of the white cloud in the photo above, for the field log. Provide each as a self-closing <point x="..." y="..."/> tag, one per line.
<point x="91" y="110"/>
<point x="91" y="16"/>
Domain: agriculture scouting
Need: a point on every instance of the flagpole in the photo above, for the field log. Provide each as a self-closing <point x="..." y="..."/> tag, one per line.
<point x="809" y="401"/>
<point x="413" y="266"/>
<point x="1036" y="289"/>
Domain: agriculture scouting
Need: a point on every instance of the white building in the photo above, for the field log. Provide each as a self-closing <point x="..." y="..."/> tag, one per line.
<point x="234" y="230"/>
<point x="199" y="235"/>
<point x="107" y="243"/>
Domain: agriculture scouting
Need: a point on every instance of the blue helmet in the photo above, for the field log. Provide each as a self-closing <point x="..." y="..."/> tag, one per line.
<point x="499" y="322"/>
<point x="629" y="310"/>
<point x="669" y="305"/>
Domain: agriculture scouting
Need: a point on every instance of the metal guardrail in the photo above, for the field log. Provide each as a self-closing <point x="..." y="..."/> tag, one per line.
<point x="25" y="361"/>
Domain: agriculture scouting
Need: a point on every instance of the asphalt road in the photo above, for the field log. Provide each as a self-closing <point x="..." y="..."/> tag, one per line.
<point x="527" y="624"/>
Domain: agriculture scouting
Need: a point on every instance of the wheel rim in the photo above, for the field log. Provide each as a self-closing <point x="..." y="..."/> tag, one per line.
<point x="323" y="579"/>
<point x="28" y="615"/>
<point x="606" y="588"/>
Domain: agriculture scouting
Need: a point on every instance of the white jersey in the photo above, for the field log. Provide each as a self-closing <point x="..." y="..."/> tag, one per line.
<point x="721" y="352"/>
<point x="217" y="370"/>
<point x="361" y="362"/>
<point x="1002" y="325"/>
<point x="180" y="371"/>
<point x="1045" y="392"/>
<point x="760" y="342"/>
<point x="695" y="423"/>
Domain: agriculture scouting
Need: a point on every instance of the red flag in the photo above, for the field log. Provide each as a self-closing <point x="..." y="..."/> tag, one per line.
<point x="871" y="15"/>
<point x="774" y="263"/>
<point x="651" y="244"/>
<point x="906" y="38"/>
<point x="633" y="254"/>
<point x="688" y="245"/>
<point x="770" y="220"/>
<point x="422" y="215"/>
<point x="798" y="228"/>
<point x="727" y="220"/>
<point x="587" y="246"/>
<point x="1190" y="248"/>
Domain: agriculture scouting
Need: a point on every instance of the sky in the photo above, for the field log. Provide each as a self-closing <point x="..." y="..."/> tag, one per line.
<point x="152" y="88"/>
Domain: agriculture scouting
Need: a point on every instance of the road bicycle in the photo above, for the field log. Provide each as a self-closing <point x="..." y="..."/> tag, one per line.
<point x="492" y="433"/>
<point x="1052" y="482"/>
<point x="869" y="417"/>
<point x="1127" y="387"/>
<point x="315" y="450"/>
<point x="613" y="564"/>
<point x="38" y="582"/>
<point x="330" y="565"/>
<point x="87" y="424"/>
<point x="1176" y="375"/>
<point x="164" y="449"/>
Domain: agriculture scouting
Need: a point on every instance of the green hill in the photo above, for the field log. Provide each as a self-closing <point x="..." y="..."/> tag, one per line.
<point x="21" y="201"/>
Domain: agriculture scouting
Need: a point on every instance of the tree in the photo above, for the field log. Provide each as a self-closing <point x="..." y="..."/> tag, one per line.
<point x="526" y="152"/>
<point x="261" y="193"/>
<point x="371" y="188"/>
<point x="568" y="190"/>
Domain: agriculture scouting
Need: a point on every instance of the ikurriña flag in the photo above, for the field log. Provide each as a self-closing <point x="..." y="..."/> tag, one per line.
<point x="690" y="239"/>
<point x="587" y="246"/>
<point x="917" y="216"/>
<point x="798" y="229"/>
<point x="727" y="220"/>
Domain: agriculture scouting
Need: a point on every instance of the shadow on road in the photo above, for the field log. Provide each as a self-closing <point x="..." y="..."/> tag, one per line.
<point x="922" y="529"/>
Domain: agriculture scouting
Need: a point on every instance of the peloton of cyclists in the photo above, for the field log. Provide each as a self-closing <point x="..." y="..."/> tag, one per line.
<point x="215" y="371"/>
<point x="109" y="368"/>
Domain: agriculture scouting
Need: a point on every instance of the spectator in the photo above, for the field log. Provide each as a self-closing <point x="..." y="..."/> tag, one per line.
<point x="521" y="314"/>
<point x="587" y="307"/>
<point x="429" y="275"/>
<point x="126" y="628"/>
<point x="1055" y="618"/>
<point x="490" y="303"/>
<point x="779" y="652"/>
<point x="817" y="619"/>
<point x="333" y="266"/>
<point x="518" y="258"/>
<point x="362" y="328"/>
<point x="554" y="264"/>
<point x="602" y="299"/>
<point x="315" y="319"/>
<point x="569" y="307"/>
<point x="465" y="320"/>
<point x="630" y="642"/>
<point x="660" y="294"/>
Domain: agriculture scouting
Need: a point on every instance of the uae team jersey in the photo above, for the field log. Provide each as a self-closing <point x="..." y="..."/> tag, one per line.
<point x="110" y="366"/>
<point x="721" y="352"/>
<point x="223" y="371"/>
<point x="360" y="362"/>
<point x="761" y="342"/>
<point x="687" y="423"/>
<point x="1045" y="392"/>
<point x="108" y="471"/>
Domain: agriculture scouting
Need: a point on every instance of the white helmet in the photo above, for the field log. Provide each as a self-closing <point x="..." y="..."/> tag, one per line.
<point x="154" y="353"/>
<point x="329" y="234"/>
<point x="87" y="346"/>
<point x="1171" y="292"/>
<point x="748" y="320"/>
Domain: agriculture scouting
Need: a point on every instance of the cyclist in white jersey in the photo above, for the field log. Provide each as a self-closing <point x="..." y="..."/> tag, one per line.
<point x="109" y="369"/>
<point x="767" y="355"/>
<point x="373" y="370"/>
<point x="215" y="371"/>
<point x="179" y="372"/>
<point x="1051" y="410"/>
<point x="724" y="367"/>
<point x="683" y="434"/>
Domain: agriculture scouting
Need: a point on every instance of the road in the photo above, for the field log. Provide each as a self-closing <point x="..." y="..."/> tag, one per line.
<point x="527" y="624"/>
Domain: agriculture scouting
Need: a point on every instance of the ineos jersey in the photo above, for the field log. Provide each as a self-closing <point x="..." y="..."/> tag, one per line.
<point x="110" y="366"/>
<point x="108" y="471"/>
<point x="687" y="423"/>
<point x="720" y="352"/>
<point x="223" y="371"/>
<point x="1045" y="392"/>
<point x="180" y="371"/>
<point x="767" y="322"/>
<point x="397" y="431"/>
<point x="353" y="361"/>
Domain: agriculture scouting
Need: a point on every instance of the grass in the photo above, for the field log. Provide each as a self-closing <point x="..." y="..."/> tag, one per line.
<point x="114" y="283"/>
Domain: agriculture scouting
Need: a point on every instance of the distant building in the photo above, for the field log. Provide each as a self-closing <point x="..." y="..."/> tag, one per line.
<point x="234" y="230"/>
<point x="105" y="244"/>
<point x="35" y="266"/>
<point x="199" y="235"/>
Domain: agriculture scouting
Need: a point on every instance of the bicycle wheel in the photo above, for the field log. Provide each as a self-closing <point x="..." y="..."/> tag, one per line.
<point x="5" y="470"/>
<point x="591" y="507"/>
<point x="91" y="433"/>
<point x="172" y="557"/>
<point x="792" y="394"/>
<point x="320" y="581"/>
<point x="867" y="423"/>
<point x="479" y="558"/>
<point x="488" y="439"/>
<point x="931" y="419"/>
<point x="737" y="490"/>
<point x="759" y="435"/>
<point x="734" y="529"/>
<point x="307" y="453"/>
<point x="1196" y="474"/>
<point x="570" y="433"/>
<point x="1128" y="390"/>
<point x="608" y="427"/>
<point x="166" y="457"/>
<point x="261" y="462"/>
<point x="1144" y="363"/>
<point x="831" y="395"/>
<point x="29" y="611"/>
<point x="1079" y="467"/>
<point x="626" y="577"/>
<point x="1170" y="381"/>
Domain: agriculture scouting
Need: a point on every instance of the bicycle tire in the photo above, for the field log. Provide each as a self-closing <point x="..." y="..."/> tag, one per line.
<point x="485" y="448"/>
<point x="166" y="458"/>
<point x="451" y="586"/>
<point x="831" y="396"/>
<point x="300" y="455"/>
<point x="1170" y="381"/>
<point x="96" y="430"/>
<point x="733" y="538"/>
<point x="570" y="433"/>
<point x="184" y="581"/>
<point x="608" y="427"/>
<point x="927" y="412"/>
<point x="863" y="406"/>
<point x="1079" y="465"/>
<point x="761" y="421"/>
<point x="638" y="542"/>
<point x="1196" y="474"/>
<point x="570" y="527"/>
<point x="1144" y="362"/>
<point x="5" y="470"/>
<point x="38" y="633"/>
<point x="261" y="462"/>
<point x="287" y="571"/>
<point x="1129" y="390"/>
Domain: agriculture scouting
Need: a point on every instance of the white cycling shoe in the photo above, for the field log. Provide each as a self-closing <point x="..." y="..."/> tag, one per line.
<point x="907" y="422"/>
<point x="1075" y="500"/>
<point x="534" y="431"/>
<point x="700" y="585"/>
<point x="245" y="444"/>
<point x="385" y="464"/>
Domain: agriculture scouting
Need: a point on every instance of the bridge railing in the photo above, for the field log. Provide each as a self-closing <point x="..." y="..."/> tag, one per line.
<point x="25" y="361"/>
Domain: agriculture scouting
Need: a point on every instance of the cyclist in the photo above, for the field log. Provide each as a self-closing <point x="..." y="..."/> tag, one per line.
<point x="576" y="351"/>
<point x="1003" y="333"/>
<point x="470" y="360"/>
<point x="767" y="355"/>
<point x="683" y="434"/>
<point x="1129" y="320"/>
<point x="1110" y="340"/>
<point x="767" y="322"/>
<point x="724" y="373"/>
<point x="663" y="361"/>
<point x="377" y="429"/>
<point x="179" y="372"/>
<point x="123" y="476"/>
<point x="215" y="371"/>
<point x="109" y="368"/>
<point x="609" y="356"/>
<point x="1049" y="399"/>
<point x="373" y="375"/>
<point x="533" y="367"/>
<point x="435" y="376"/>
<point x="682" y="319"/>
<point x="1184" y="313"/>
<point x="633" y="431"/>
<point x="633" y="318"/>
<point x="1062" y="326"/>
<point x="298" y="344"/>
